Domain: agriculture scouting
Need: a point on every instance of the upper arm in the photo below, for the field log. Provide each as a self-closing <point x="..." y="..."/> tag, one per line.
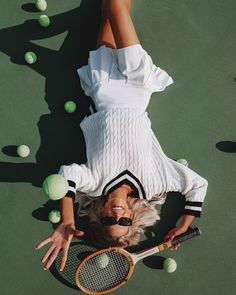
<point x="79" y="177"/>
<point x="190" y="184"/>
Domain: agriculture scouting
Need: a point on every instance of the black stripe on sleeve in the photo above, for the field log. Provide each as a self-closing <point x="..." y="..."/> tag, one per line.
<point x="192" y="212"/>
<point x="71" y="195"/>
<point x="71" y="183"/>
<point x="194" y="204"/>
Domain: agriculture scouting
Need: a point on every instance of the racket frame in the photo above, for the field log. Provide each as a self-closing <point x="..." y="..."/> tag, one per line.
<point x="133" y="258"/>
<point x="128" y="255"/>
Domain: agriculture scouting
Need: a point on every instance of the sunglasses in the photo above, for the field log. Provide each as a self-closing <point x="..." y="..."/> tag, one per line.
<point x="110" y="220"/>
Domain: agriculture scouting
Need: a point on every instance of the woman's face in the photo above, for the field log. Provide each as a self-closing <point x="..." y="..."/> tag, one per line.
<point x="116" y="206"/>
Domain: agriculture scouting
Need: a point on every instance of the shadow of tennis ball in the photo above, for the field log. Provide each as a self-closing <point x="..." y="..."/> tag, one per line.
<point x="226" y="146"/>
<point x="10" y="150"/>
<point x="29" y="7"/>
<point x="154" y="262"/>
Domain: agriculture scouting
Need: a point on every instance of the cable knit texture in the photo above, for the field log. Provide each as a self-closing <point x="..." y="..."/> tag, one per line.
<point x="121" y="140"/>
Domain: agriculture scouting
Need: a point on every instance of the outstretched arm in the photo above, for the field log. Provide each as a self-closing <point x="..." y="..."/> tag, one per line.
<point x="62" y="236"/>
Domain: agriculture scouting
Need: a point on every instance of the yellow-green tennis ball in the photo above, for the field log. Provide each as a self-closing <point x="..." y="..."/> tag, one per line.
<point x="30" y="57"/>
<point x="54" y="216"/>
<point x="41" y="5"/>
<point x="55" y="186"/>
<point x="169" y="265"/>
<point x="70" y="106"/>
<point x="23" y="151"/>
<point x="183" y="162"/>
<point x="102" y="260"/>
<point x="44" y="21"/>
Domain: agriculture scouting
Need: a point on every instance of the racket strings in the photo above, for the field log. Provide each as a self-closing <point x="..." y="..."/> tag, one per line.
<point x="97" y="277"/>
<point x="77" y="252"/>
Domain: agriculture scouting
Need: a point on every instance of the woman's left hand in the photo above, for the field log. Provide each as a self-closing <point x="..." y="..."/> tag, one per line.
<point x="173" y="233"/>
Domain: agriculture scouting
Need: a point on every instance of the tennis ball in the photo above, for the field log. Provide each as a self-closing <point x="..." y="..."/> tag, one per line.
<point x="102" y="260"/>
<point x="70" y="106"/>
<point x="54" y="216"/>
<point x="41" y="5"/>
<point x="169" y="265"/>
<point x="183" y="162"/>
<point x="30" y="57"/>
<point x="44" y="21"/>
<point x="55" y="186"/>
<point x="23" y="151"/>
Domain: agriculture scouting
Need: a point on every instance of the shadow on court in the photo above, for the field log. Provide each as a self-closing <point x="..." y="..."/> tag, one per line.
<point x="226" y="146"/>
<point x="62" y="140"/>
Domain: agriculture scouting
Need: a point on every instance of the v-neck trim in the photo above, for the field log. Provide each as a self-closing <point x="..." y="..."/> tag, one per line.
<point x="122" y="178"/>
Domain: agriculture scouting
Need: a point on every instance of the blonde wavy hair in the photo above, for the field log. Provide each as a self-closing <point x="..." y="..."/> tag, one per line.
<point x="144" y="214"/>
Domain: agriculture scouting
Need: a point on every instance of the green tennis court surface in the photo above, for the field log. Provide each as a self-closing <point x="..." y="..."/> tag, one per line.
<point x="194" y="41"/>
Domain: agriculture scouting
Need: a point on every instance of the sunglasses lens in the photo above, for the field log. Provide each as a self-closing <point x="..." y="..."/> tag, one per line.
<point x="109" y="220"/>
<point x="125" y="221"/>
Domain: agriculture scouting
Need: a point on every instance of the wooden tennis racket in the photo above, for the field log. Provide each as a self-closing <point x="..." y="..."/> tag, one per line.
<point x="107" y="270"/>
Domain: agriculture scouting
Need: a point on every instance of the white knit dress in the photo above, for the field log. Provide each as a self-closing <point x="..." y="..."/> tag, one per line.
<point x="120" y="144"/>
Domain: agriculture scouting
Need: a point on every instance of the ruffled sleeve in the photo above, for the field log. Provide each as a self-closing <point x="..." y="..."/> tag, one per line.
<point x="85" y="80"/>
<point x="158" y="79"/>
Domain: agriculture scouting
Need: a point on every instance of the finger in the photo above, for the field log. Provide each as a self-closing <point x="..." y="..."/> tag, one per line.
<point x="52" y="258"/>
<point x="176" y="247"/>
<point x="43" y="243"/>
<point x="45" y="257"/>
<point x="78" y="233"/>
<point x="64" y="257"/>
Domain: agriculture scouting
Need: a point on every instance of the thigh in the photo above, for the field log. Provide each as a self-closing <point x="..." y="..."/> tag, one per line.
<point x="105" y="36"/>
<point x="121" y="23"/>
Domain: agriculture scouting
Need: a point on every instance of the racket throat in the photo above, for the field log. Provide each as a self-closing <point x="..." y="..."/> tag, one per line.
<point x="142" y="254"/>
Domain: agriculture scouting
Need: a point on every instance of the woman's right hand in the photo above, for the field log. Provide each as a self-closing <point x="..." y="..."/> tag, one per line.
<point x="61" y="239"/>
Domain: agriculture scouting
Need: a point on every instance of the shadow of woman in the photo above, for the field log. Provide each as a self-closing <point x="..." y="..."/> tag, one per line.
<point x="62" y="140"/>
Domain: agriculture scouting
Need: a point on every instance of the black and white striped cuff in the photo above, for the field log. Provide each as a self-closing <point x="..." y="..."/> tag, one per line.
<point x="193" y="208"/>
<point x="72" y="190"/>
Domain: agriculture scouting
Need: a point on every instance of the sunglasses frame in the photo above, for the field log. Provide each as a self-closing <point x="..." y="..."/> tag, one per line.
<point x="128" y="219"/>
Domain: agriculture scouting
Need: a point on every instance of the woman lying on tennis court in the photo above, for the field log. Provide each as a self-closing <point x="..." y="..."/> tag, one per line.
<point x="127" y="172"/>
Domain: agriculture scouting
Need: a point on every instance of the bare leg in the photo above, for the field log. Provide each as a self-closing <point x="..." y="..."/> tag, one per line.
<point x="121" y="23"/>
<point x="105" y="36"/>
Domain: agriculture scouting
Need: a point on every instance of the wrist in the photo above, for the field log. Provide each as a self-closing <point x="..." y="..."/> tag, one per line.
<point x="67" y="220"/>
<point x="67" y="211"/>
<point x="67" y="223"/>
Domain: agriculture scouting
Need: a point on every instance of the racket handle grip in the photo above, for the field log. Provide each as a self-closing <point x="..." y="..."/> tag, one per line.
<point x="190" y="233"/>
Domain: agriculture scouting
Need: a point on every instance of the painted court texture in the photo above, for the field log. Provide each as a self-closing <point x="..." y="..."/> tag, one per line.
<point x="194" y="41"/>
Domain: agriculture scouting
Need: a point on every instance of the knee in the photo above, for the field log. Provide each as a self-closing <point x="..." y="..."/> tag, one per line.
<point x="114" y="6"/>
